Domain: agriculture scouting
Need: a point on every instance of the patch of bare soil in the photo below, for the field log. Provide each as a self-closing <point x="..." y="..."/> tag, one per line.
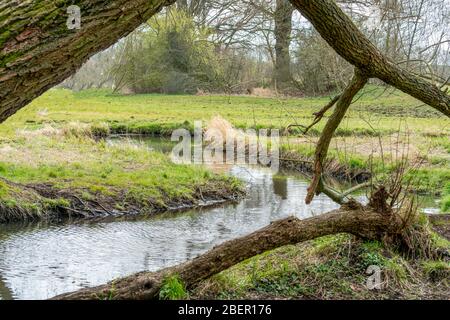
<point x="441" y="224"/>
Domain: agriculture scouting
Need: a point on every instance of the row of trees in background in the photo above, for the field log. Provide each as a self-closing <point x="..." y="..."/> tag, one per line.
<point x="234" y="46"/>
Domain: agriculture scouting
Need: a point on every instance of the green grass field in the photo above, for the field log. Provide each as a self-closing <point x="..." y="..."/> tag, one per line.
<point x="384" y="113"/>
<point x="379" y="127"/>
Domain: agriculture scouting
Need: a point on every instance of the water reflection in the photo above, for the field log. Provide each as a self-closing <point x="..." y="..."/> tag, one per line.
<point x="40" y="261"/>
<point x="280" y="186"/>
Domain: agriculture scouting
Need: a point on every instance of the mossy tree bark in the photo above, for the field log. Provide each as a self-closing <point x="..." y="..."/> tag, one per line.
<point x="38" y="50"/>
<point x="283" y="29"/>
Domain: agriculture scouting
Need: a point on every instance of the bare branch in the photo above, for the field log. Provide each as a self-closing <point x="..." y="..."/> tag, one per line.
<point x="343" y="103"/>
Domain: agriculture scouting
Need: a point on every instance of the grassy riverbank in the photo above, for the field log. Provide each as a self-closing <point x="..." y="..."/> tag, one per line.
<point x="48" y="146"/>
<point x="49" y="170"/>
<point x="329" y="268"/>
<point x="426" y="167"/>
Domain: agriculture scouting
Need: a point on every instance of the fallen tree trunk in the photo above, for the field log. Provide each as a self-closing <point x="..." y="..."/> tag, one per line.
<point x="351" y="218"/>
<point x="38" y="50"/>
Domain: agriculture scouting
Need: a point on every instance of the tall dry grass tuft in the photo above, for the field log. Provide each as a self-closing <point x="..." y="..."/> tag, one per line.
<point x="47" y="131"/>
<point x="219" y="130"/>
<point x="263" y="92"/>
<point x="74" y="129"/>
<point x="77" y="130"/>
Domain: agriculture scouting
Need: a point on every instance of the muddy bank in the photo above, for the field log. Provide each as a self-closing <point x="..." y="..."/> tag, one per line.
<point x="44" y="201"/>
<point x="294" y="161"/>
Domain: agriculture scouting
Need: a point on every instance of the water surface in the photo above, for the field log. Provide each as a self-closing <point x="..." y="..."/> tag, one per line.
<point x="41" y="260"/>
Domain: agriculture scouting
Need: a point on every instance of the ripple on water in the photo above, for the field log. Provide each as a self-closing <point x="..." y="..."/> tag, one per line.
<point x="41" y="261"/>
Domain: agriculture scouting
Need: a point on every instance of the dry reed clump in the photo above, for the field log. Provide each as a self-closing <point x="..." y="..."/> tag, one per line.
<point x="415" y="238"/>
<point x="219" y="131"/>
<point x="414" y="242"/>
<point x="80" y="130"/>
<point x="200" y="92"/>
<point x="77" y="129"/>
<point x="418" y="241"/>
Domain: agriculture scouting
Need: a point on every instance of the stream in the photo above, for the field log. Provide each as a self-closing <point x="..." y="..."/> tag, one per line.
<point x="41" y="260"/>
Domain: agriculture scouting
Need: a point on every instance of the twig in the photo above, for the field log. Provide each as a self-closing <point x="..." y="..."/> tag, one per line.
<point x="317" y="115"/>
<point x="84" y="204"/>
<point x="107" y="211"/>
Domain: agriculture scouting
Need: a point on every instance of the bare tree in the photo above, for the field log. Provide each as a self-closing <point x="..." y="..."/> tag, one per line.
<point x="369" y="62"/>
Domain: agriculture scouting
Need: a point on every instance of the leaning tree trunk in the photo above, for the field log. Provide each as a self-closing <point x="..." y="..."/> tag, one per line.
<point x="342" y="104"/>
<point x="283" y="29"/>
<point x="352" y="218"/>
<point x="344" y="37"/>
<point x="348" y="41"/>
<point x="38" y="50"/>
